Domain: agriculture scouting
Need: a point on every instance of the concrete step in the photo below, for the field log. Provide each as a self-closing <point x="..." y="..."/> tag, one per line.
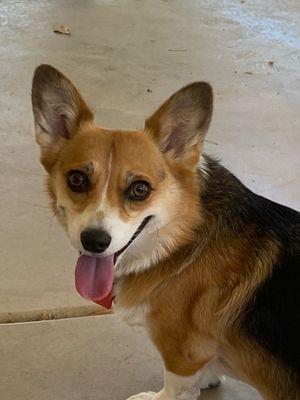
<point x="92" y="358"/>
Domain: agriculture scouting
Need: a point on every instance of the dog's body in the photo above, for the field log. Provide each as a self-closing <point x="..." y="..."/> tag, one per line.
<point x="210" y="268"/>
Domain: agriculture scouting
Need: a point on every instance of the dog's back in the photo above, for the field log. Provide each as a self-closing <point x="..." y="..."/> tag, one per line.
<point x="271" y="316"/>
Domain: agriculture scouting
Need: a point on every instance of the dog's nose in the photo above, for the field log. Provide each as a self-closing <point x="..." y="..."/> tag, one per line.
<point x="95" y="240"/>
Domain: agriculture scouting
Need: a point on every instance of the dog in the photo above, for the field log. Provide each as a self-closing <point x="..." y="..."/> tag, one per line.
<point x="174" y="241"/>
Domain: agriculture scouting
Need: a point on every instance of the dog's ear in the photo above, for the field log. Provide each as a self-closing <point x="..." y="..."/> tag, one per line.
<point x="180" y="124"/>
<point x="58" y="110"/>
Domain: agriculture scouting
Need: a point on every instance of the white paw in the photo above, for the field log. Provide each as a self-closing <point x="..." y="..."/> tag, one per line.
<point x="210" y="384"/>
<point x="209" y="377"/>
<point x="143" y="396"/>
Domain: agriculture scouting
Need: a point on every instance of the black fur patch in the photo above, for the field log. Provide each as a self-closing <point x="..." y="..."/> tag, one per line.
<point x="272" y="317"/>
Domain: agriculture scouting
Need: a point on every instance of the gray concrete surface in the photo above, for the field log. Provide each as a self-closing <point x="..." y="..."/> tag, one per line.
<point x="96" y="358"/>
<point x="248" y="50"/>
<point x="117" y="51"/>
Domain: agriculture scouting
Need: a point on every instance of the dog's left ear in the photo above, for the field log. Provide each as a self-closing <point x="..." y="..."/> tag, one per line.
<point x="180" y="124"/>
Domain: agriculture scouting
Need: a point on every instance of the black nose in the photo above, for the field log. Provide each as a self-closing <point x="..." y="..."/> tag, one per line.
<point x="95" y="240"/>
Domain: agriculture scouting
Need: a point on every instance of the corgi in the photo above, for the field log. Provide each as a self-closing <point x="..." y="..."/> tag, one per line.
<point x="169" y="237"/>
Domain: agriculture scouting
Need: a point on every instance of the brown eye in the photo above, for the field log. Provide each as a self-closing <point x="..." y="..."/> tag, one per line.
<point x="78" y="181"/>
<point x="138" y="190"/>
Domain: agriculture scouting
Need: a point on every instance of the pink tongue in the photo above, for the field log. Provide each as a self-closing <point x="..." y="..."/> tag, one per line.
<point x="94" y="278"/>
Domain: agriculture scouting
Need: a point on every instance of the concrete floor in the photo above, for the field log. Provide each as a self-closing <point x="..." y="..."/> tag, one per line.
<point x="96" y="358"/>
<point x="248" y="50"/>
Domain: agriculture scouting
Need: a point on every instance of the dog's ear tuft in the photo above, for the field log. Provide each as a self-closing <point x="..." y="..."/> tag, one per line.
<point x="58" y="108"/>
<point x="180" y="124"/>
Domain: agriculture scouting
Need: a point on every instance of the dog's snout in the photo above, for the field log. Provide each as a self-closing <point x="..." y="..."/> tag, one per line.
<point x="95" y="240"/>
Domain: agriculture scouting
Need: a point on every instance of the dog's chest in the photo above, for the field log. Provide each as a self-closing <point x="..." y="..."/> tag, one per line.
<point x="135" y="315"/>
<point x="132" y="316"/>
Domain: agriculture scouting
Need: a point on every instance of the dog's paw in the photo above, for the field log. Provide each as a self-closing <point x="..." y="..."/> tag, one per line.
<point x="210" y="383"/>
<point x="143" y="396"/>
<point x="209" y="377"/>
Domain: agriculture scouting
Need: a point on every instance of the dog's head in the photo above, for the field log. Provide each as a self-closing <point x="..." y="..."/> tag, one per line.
<point x="127" y="199"/>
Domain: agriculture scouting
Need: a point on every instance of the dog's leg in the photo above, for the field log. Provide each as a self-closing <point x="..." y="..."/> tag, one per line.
<point x="182" y="387"/>
<point x="175" y="388"/>
<point x="210" y="376"/>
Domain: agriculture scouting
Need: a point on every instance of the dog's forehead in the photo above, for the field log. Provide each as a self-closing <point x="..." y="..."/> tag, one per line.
<point x="127" y="150"/>
<point x="137" y="151"/>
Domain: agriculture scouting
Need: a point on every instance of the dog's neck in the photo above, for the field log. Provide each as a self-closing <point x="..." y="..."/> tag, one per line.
<point x="211" y="249"/>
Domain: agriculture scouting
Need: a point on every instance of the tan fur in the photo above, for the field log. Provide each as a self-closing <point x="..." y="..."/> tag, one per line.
<point x="208" y="321"/>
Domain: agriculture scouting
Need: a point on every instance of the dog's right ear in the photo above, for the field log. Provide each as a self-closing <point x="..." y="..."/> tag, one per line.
<point x="58" y="111"/>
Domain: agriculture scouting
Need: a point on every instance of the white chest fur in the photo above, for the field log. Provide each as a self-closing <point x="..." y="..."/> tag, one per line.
<point x="132" y="316"/>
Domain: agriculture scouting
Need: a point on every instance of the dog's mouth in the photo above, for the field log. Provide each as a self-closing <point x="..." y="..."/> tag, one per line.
<point x="134" y="236"/>
<point x="94" y="276"/>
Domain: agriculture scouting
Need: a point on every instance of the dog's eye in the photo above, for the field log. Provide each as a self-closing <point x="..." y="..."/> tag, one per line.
<point x="138" y="190"/>
<point x="78" y="181"/>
